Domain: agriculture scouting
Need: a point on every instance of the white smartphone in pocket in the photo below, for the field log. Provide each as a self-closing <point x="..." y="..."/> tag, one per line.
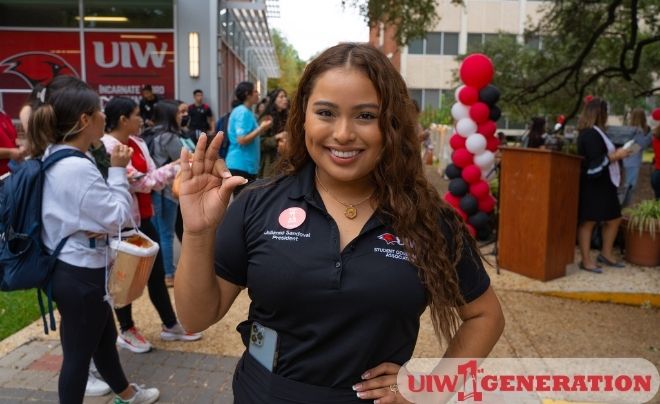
<point x="263" y="345"/>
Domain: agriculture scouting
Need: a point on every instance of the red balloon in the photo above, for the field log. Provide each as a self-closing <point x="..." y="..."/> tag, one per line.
<point x="457" y="141"/>
<point x="487" y="204"/>
<point x="487" y="128"/>
<point x="479" y="112"/>
<point x="468" y="95"/>
<point x="471" y="174"/>
<point x="461" y="158"/>
<point x="477" y="70"/>
<point x="656" y="114"/>
<point x="452" y="200"/>
<point x="492" y="143"/>
<point x="480" y="189"/>
<point x="561" y="119"/>
<point x="471" y="229"/>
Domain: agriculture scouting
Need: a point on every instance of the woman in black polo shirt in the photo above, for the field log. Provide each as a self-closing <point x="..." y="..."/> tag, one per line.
<point x="340" y="255"/>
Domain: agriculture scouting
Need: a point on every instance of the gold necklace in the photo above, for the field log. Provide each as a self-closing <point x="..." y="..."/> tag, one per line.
<point x="351" y="208"/>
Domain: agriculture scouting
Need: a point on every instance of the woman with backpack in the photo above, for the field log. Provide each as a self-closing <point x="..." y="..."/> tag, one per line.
<point x="165" y="147"/>
<point x="123" y="122"/>
<point x="71" y="119"/>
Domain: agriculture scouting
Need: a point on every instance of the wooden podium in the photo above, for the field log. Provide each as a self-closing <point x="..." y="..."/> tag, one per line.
<point x="538" y="208"/>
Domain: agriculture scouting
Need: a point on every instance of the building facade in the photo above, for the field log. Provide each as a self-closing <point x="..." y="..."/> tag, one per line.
<point x="428" y="64"/>
<point x="117" y="47"/>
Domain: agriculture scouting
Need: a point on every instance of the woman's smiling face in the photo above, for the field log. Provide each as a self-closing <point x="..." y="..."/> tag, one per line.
<point x="342" y="134"/>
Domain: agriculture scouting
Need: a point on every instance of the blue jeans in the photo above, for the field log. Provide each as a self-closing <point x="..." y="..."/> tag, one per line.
<point x="163" y="220"/>
<point x="631" y="174"/>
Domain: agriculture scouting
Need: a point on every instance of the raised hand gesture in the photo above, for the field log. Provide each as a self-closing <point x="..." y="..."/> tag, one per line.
<point x="205" y="186"/>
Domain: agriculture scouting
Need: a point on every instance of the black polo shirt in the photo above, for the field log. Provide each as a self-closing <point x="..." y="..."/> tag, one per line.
<point x="199" y="117"/>
<point x="337" y="313"/>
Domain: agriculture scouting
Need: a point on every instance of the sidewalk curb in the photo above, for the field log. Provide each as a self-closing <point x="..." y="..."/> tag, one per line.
<point x="632" y="299"/>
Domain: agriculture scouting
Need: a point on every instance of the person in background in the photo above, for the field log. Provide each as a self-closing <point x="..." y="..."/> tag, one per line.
<point x="277" y="109"/>
<point x="8" y="149"/>
<point x="185" y="118"/>
<point x="71" y="119"/>
<point x="244" y="152"/>
<point x="165" y="149"/>
<point x="599" y="179"/>
<point x="631" y="164"/>
<point x="123" y="123"/>
<point x="30" y="104"/>
<point x="534" y="138"/>
<point x="147" y="103"/>
<point x="261" y="106"/>
<point x="655" y="176"/>
<point x="201" y="116"/>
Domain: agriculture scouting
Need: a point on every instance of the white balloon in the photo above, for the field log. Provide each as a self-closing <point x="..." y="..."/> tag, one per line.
<point x="485" y="159"/>
<point x="460" y="111"/>
<point x="475" y="143"/>
<point x="465" y="127"/>
<point x="458" y="90"/>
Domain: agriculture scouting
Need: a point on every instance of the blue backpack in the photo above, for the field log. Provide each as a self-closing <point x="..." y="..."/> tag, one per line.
<point x="24" y="260"/>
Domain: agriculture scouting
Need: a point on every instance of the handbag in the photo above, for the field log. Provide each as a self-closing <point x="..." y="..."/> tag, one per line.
<point x="135" y="257"/>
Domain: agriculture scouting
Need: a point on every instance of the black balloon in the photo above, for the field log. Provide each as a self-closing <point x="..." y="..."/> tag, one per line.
<point x="495" y="113"/>
<point x="452" y="171"/>
<point x="479" y="220"/>
<point x="489" y="94"/>
<point x="458" y="187"/>
<point x="469" y="204"/>
<point x="485" y="233"/>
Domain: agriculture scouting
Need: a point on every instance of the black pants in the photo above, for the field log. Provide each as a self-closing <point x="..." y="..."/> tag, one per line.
<point x="87" y="331"/>
<point x="655" y="182"/>
<point x="254" y="384"/>
<point x="156" y="286"/>
<point x="244" y="174"/>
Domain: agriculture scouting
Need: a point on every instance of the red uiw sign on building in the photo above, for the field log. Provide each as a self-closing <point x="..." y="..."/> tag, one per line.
<point x="115" y="64"/>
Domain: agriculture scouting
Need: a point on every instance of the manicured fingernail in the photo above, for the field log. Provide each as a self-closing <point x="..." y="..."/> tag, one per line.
<point x="376" y="401"/>
<point x="226" y="174"/>
<point x="245" y="181"/>
<point x="357" y="387"/>
<point x="365" y="376"/>
<point x="360" y="394"/>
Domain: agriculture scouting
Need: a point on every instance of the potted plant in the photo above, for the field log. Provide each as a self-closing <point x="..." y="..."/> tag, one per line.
<point x="642" y="233"/>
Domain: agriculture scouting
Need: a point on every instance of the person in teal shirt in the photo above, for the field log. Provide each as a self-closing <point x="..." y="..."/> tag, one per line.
<point x="243" y="156"/>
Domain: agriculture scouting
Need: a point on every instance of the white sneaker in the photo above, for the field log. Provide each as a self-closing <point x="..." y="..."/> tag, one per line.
<point x="132" y="339"/>
<point x="142" y="396"/>
<point x="177" y="333"/>
<point x="96" y="387"/>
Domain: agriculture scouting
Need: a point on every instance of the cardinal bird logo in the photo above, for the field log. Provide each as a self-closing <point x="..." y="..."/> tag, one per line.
<point x="36" y="67"/>
<point x="390" y="239"/>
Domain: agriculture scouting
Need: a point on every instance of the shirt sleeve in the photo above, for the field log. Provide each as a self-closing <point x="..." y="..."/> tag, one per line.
<point x="594" y="152"/>
<point x="231" y="261"/>
<point x="106" y="206"/>
<point x="473" y="280"/>
<point x="245" y="123"/>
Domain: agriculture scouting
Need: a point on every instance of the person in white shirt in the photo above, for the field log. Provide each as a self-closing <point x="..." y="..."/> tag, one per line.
<point x="86" y="210"/>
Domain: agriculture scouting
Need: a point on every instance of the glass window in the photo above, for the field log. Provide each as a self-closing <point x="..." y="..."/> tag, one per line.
<point x="129" y="14"/>
<point x="433" y="43"/>
<point x="417" y="96"/>
<point x="416" y="46"/>
<point x="39" y="13"/>
<point x="474" y="42"/>
<point x="490" y="37"/>
<point x="431" y="99"/>
<point x="533" y="42"/>
<point x="450" y="45"/>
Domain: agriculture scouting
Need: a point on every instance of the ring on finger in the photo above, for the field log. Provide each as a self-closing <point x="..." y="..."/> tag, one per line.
<point x="394" y="388"/>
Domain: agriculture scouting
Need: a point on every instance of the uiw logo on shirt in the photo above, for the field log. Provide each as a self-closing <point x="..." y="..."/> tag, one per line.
<point x="390" y="239"/>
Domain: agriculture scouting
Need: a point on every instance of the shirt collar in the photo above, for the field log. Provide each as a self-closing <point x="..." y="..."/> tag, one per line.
<point x="303" y="183"/>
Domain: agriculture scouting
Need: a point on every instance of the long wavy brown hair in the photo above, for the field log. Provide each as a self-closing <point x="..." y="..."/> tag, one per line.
<point x="403" y="194"/>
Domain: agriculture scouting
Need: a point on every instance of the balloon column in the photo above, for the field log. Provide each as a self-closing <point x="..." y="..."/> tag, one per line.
<point x="474" y="144"/>
<point x="656" y="114"/>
